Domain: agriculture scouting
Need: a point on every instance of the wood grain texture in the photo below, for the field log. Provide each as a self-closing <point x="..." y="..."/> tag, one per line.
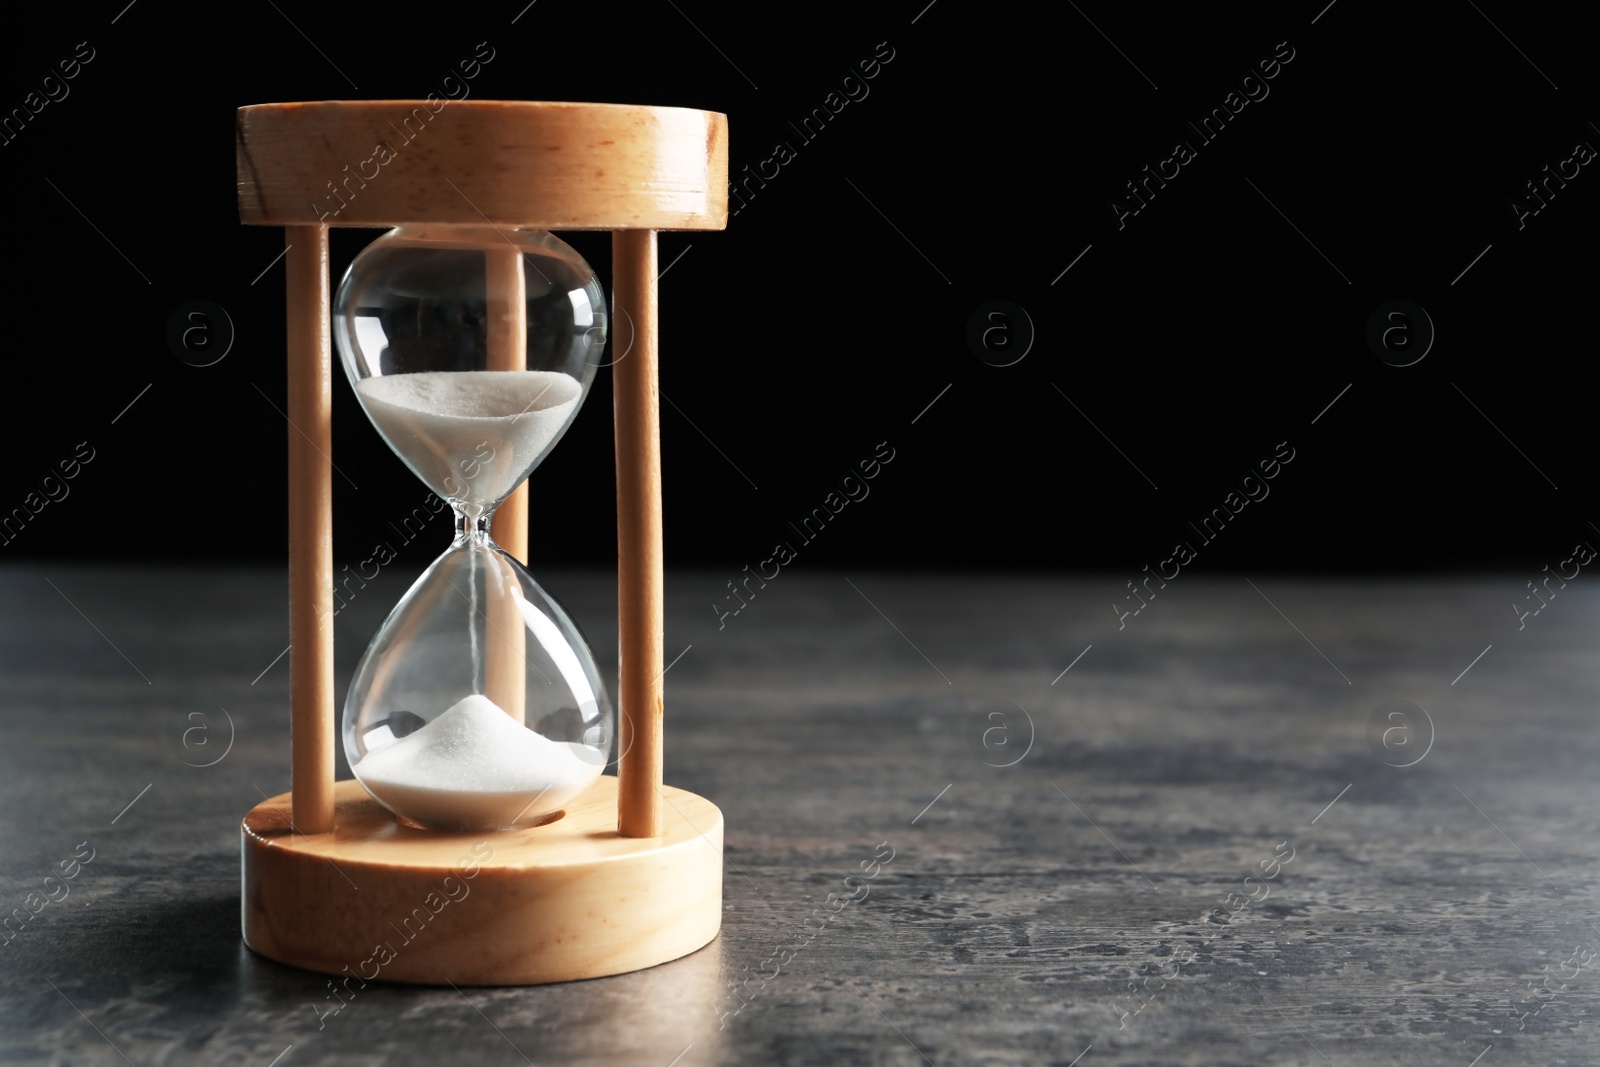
<point x="310" y="433"/>
<point x="640" y="608"/>
<point x="530" y="163"/>
<point x="567" y="900"/>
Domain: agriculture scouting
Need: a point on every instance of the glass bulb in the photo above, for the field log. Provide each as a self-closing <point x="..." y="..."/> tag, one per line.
<point x="478" y="705"/>
<point x="470" y="349"/>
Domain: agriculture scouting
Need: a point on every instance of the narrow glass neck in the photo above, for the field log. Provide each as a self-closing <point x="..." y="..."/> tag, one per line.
<point x="473" y="529"/>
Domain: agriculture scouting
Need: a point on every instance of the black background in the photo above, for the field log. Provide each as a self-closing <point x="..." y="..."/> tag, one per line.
<point x="835" y="307"/>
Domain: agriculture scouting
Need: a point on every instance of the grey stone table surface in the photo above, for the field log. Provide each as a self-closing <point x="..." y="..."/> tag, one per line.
<point x="1265" y="820"/>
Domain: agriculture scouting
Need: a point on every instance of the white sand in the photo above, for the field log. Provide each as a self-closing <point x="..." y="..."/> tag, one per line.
<point x="472" y="436"/>
<point x="476" y="768"/>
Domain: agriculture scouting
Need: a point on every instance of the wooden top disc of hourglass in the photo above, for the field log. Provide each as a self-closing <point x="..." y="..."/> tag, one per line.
<point x="558" y="166"/>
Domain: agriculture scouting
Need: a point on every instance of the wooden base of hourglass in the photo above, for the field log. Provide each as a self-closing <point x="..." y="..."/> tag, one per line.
<point x="571" y="899"/>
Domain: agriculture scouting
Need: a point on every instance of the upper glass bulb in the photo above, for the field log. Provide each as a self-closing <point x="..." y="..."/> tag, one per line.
<point x="469" y="392"/>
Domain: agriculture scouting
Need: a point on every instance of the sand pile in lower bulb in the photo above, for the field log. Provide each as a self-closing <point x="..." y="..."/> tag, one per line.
<point x="475" y="767"/>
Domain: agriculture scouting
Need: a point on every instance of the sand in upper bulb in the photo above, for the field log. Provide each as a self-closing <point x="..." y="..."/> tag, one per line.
<point x="470" y="435"/>
<point x="476" y="768"/>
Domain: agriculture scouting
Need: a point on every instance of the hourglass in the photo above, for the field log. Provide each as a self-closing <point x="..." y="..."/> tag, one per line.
<point x="480" y="842"/>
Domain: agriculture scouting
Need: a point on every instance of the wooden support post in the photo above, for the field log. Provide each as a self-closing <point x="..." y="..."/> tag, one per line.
<point x="507" y="292"/>
<point x="638" y="435"/>
<point x="310" y="529"/>
<point x="505" y="636"/>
